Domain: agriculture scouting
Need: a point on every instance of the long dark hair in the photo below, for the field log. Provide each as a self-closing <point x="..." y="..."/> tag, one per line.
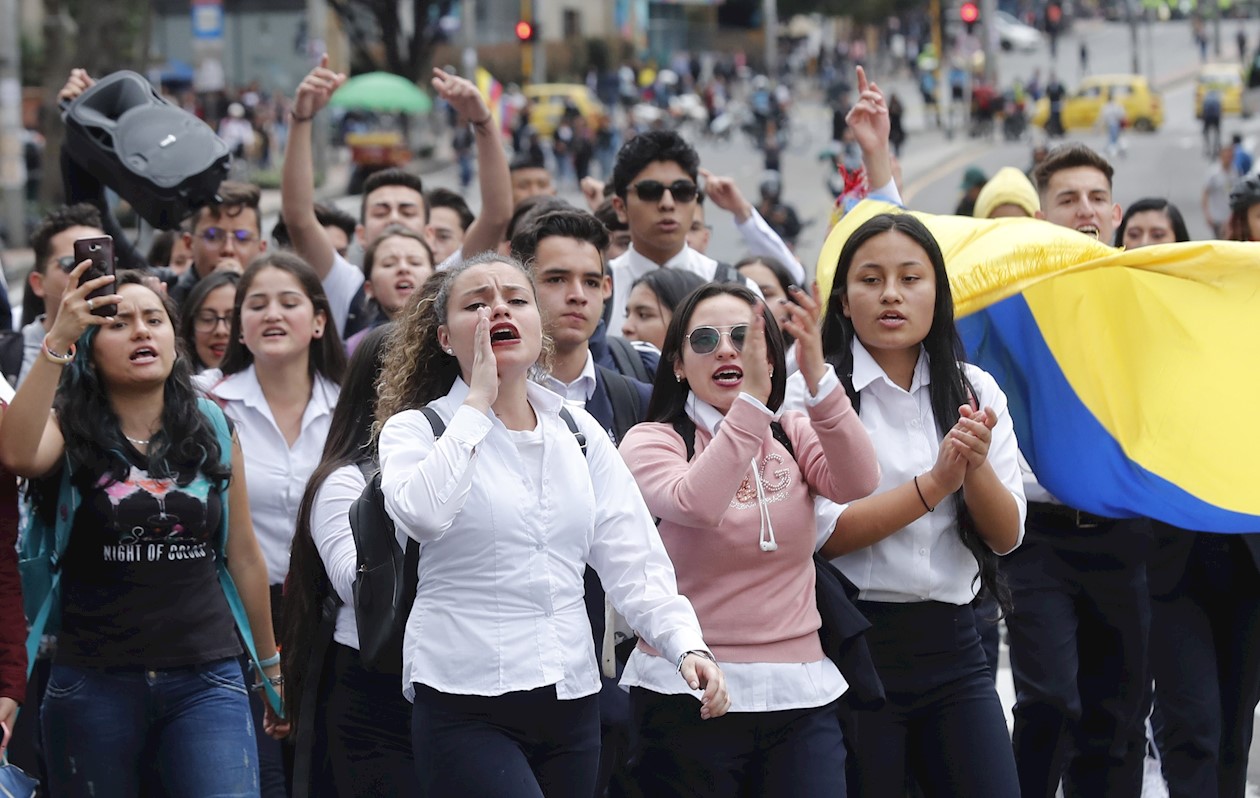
<point x="184" y="446"/>
<point x="669" y="395"/>
<point x="1175" y="220"/>
<point x="949" y="386"/>
<point x="328" y="355"/>
<point x="349" y="442"/>
<point x="188" y="313"/>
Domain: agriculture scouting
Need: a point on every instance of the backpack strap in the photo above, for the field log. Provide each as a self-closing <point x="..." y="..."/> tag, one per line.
<point x="48" y="543"/>
<point x="624" y="400"/>
<point x="627" y="359"/>
<point x="435" y="421"/>
<point x="573" y="427"/>
<point x="726" y="273"/>
<point x="224" y="435"/>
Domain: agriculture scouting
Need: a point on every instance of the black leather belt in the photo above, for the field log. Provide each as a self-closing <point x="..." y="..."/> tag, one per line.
<point x="1062" y="513"/>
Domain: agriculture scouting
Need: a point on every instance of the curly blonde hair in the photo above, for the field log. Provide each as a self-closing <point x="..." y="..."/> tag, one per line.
<point x="416" y="370"/>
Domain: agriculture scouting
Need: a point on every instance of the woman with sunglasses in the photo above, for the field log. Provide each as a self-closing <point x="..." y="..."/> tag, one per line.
<point x="509" y="511"/>
<point x="205" y="321"/>
<point x="145" y="690"/>
<point x="737" y="518"/>
<point x="950" y="500"/>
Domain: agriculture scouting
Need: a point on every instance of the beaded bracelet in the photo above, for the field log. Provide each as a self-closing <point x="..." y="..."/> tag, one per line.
<point x="56" y="359"/>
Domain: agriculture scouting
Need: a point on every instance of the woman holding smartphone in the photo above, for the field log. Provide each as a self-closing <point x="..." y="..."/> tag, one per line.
<point x="509" y="510"/>
<point x="145" y="686"/>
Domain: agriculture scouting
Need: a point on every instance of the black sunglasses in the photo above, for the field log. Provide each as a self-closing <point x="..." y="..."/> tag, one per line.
<point x="653" y="190"/>
<point x="704" y="340"/>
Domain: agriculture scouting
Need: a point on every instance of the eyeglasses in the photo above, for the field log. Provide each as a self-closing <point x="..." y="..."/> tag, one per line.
<point x="653" y="190"/>
<point x="209" y="322"/>
<point x="217" y="235"/>
<point x="704" y="340"/>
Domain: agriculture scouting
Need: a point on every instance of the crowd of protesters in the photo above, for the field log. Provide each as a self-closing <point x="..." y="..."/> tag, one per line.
<point x="577" y="422"/>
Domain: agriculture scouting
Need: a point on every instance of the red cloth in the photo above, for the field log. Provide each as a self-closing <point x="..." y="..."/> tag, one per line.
<point x="12" y="618"/>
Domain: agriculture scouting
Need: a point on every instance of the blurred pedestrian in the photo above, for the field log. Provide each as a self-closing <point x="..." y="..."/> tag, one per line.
<point x="973" y="180"/>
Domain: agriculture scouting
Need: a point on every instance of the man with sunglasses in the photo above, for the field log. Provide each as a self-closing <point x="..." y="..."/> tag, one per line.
<point x="655" y="191"/>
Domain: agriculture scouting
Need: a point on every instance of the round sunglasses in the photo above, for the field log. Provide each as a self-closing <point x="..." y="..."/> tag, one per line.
<point x="704" y="340"/>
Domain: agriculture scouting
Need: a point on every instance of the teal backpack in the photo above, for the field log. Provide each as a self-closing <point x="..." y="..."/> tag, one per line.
<point x="44" y="544"/>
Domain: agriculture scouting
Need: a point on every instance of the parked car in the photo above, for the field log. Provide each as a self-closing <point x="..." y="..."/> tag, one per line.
<point x="549" y="100"/>
<point x="1143" y="105"/>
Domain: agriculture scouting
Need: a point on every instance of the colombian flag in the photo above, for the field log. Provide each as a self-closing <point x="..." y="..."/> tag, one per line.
<point x="1132" y="376"/>
<point x="492" y="92"/>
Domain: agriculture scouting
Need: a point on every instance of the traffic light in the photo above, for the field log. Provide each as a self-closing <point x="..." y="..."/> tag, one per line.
<point x="969" y="14"/>
<point x="526" y="31"/>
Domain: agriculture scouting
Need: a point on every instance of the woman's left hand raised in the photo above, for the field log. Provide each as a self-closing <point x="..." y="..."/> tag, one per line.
<point x="804" y="322"/>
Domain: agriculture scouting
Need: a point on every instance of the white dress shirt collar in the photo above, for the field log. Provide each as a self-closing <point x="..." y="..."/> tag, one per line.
<point x="686" y="257"/>
<point x="580" y="390"/>
<point x="866" y="370"/>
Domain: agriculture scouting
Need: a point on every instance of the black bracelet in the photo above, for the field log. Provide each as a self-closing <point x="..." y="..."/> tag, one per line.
<point x="919" y="490"/>
<point x="293" y="115"/>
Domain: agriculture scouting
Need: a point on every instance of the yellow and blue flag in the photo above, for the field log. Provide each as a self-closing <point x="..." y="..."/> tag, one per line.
<point x="1133" y="376"/>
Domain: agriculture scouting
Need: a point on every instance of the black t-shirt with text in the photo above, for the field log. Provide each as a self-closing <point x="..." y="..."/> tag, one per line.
<point x="139" y="582"/>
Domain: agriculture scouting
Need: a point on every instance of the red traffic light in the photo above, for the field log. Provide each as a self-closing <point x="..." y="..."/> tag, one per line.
<point x="525" y="30"/>
<point x="969" y="13"/>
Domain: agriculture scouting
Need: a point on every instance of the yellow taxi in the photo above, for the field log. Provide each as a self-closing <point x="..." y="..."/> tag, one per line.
<point x="1226" y="79"/>
<point x="1143" y="106"/>
<point x="548" y="101"/>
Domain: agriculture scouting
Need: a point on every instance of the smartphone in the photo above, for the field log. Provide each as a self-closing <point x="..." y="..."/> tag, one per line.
<point x="99" y="250"/>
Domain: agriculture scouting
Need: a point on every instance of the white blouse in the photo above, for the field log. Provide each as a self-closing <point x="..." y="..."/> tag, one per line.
<point x="275" y="473"/>
<point x="330" y="529"/>
<point x="500" y="605"/>
<point x="925" y="561"/>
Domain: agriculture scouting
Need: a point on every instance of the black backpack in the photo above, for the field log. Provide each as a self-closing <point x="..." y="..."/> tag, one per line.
<point x="164" y="161"/>
<point x="385" y="587"/>
<point x="627" y="359"/>
<point x="626" y="406"/>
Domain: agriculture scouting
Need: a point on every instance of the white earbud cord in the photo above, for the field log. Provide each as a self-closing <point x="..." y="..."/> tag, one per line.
<point x="765" y="537"/>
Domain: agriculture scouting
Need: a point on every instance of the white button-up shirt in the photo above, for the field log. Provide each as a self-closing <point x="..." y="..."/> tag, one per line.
<point x="275" y="473"/>
<point x="341" y="286"/>
<point x="575" y="393"/>
<point x="500" y="605"/>
<point x="630" y="266"/>
<point x="334" y="539"/>
<point x="925" y="561"/>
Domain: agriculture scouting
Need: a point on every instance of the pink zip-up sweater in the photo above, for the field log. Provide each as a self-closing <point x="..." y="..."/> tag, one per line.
<point x="753" y="605"/>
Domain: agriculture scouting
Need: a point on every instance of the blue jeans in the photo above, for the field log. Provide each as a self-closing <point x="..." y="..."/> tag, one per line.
<point x="108" y="732"/>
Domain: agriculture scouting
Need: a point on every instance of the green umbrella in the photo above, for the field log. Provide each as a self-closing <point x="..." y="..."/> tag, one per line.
<point x="382" y="91"/>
